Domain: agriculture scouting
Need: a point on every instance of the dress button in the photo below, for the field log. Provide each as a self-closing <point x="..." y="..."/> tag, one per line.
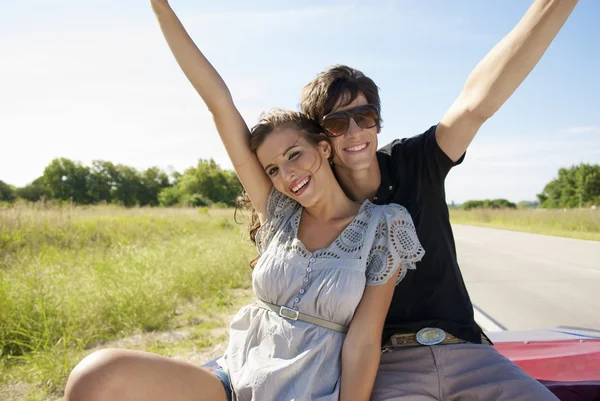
<point x="301" y="291"/>
<point x="305" y="279"/>
<point x="391" y="187"/>
<point x="296" y="299"/>
<point x="309" y="269"/>
<point x="312" y="260"/>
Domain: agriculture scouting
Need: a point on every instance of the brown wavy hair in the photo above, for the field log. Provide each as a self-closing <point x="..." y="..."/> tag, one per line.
<point x="271" y="121"/>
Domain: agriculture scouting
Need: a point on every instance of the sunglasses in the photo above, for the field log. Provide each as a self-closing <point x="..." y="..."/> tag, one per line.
<point x="336" y="124"/>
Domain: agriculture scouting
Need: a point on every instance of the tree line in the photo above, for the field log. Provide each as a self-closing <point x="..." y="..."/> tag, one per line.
<point x="63" y="179"/>
<point x="574" y="187"/>
<point x="208" y="184"/>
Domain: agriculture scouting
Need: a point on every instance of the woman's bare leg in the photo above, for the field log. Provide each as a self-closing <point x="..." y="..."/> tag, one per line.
<point x="125" y="375"/>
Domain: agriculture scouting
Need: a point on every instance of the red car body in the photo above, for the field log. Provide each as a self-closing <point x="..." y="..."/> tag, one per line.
<point x="565" y="359"/>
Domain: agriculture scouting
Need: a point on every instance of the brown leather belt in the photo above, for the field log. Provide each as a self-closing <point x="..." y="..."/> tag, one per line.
<point x="426" y="336"/>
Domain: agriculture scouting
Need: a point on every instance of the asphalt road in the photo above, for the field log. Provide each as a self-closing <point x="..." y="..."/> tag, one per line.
<point x="529" y="281"/>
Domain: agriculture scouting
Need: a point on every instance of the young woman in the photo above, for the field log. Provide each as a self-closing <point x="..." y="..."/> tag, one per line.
<point x="323" y="281"/>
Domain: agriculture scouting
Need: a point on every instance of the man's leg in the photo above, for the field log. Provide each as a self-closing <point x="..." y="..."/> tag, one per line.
<point x="478" y="372"/>
<point x="407" y="374"/>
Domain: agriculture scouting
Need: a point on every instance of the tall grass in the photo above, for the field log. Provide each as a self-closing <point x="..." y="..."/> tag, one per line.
<point x="578" y="223"/>
<point x="74" y="277"/>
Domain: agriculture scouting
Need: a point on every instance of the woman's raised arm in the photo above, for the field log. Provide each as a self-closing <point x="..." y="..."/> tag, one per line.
<point x="212" y="89"/>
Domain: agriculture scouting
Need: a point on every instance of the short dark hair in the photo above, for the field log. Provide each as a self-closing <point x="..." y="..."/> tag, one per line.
<point x="339" y="82"/>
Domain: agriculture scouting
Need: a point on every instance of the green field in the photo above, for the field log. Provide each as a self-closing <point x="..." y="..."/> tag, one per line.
<point x="74" y="278"/>
<point x="573" y="223"/>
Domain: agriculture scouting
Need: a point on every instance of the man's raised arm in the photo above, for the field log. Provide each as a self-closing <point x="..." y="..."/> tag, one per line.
<point x="500" y="73"/>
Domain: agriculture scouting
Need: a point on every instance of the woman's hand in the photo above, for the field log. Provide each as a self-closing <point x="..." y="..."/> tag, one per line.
<point x="214" y="92"/>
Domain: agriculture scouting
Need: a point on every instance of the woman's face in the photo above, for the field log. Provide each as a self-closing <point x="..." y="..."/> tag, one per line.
<point x="296" y="167"/>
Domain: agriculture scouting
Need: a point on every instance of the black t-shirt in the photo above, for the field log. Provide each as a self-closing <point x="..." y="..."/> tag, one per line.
<point x="413" y="171"/>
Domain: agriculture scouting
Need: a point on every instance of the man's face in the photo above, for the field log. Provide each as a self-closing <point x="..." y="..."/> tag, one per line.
<point x="355" y="150"/>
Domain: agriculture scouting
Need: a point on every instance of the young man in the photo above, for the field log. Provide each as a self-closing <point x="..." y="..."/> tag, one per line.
<point x="431" y="305"/>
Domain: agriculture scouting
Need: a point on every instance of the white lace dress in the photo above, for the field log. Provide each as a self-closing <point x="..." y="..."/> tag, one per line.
<point x="270" y="358"/>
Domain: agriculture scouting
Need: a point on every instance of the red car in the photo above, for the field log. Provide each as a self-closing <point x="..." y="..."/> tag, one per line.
<point x="565" y="359"/>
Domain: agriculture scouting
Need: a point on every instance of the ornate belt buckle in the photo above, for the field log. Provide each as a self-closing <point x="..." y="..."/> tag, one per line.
<point x="430" y="336"/>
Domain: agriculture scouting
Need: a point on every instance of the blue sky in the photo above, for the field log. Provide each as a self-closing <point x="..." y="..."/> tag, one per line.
<point x="94" y="80"/>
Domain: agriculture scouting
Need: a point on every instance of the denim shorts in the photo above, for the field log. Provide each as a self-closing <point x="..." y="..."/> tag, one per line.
<point x="225" y="381"/>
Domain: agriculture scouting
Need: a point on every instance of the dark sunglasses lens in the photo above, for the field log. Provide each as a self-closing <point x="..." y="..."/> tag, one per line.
<point x="366" y="117"/>
<point x="336" y="125"/>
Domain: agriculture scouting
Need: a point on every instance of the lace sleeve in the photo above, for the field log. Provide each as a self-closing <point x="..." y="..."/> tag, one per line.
<point x="395" y="245"/>
<point x="279" y="208"/>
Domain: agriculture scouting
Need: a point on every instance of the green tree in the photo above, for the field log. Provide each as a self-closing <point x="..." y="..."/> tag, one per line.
<point x="472" y="204"/>
<point x="102" y="181"/>
<point x="175" y="177"/>
<point x="527" y="204"/>
<point x="500" y="204"/>
<point x="488" y="204"/>
<point x="127" y="185"/>
<point x="35" y="191"/>
<point x="207" y="182"/>
<point x="67" y="180"/>
<point x="169" y="196"/>
<point x="587" y="179"/>
<point x="7" y="192"/>
<point x="153" y="181"/>
<point x="64" y="179"/>
<point x="576" y="186"/>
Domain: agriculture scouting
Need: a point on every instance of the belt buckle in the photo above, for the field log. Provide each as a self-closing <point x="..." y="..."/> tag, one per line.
<point x="288" y="313"/>
<point x="430" y="336"/>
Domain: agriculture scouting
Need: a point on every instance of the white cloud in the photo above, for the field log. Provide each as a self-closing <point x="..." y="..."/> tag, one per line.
<point x="517" y="169"/>
<point x="590" y="129"/>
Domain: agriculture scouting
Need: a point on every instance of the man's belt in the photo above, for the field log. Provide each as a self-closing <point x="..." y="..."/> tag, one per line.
<point x="426" y="336"/>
